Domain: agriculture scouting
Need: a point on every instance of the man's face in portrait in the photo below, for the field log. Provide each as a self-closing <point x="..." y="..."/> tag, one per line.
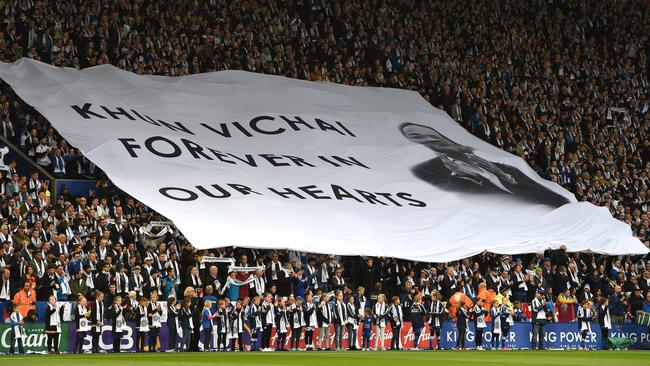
<point x="432" y="139"/>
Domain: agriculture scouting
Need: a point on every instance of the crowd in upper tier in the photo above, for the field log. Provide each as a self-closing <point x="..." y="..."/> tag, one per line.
<point x="562" y="84"/>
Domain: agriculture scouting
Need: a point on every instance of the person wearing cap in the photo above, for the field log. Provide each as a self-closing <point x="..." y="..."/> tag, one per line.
<point x="539" y="317"/>
<point x="585" y="294"/>
<point x="149" y="255"/>
<point x="646" y="305"/>
<point x="147" y="267"/>
<point x="76" y="239"/>
<point x="636" y="300"/>
<point x="506" y="263"/>
<point x="493" y="281"/>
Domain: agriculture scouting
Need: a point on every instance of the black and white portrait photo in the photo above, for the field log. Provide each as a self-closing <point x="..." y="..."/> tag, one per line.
<point x="456" y="167"/>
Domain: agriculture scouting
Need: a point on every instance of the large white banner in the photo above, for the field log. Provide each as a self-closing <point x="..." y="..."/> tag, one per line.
<point x="245" y="159"/>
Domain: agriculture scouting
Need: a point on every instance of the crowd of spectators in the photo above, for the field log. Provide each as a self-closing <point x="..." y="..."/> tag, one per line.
<point x="562" y="84"/>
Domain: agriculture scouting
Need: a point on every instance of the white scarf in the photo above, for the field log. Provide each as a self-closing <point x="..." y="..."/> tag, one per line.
<point x="55" y="320"/>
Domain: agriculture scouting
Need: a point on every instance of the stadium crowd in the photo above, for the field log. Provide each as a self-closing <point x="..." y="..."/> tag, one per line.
<point x="562" y="84"/>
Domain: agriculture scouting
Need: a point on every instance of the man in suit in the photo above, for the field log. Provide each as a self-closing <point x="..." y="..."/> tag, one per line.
<point x="259" y="284"/>
<point x="337" y="283"/>
<point x="47" y="285"/>
<point x="449" y="284"/>
<point x="457" y="168"/>
<point x="131" y="234"/>
<point x="285" y="278"/>
<point x="103" y="279"/>
<point x="273" y="269"/>
<point x="58" y="247"/>
<point x="6" y="286"/>
<point x="212" y="279"/>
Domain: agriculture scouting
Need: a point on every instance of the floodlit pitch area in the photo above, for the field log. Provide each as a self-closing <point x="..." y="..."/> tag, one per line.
<point x="456" y="358"/>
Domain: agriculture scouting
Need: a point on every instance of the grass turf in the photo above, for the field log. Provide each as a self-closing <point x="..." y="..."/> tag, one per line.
<point x="502" y="358"/>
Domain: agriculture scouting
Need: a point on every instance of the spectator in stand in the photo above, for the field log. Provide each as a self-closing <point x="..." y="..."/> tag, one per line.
<point x="6" y="287"/>
<point x="617" y="306"/>
<point x="43" y="154"/>
<point x="636" y="300"/>
<point x="646" y="304"/>
<point x="26" y="300"/>
<point x="566" y="304"/>
<point x="518" y="315"/>
<point x="58" y="164"/>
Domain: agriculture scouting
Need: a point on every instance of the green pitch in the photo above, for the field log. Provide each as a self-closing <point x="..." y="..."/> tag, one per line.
<point x="501" y="358"/>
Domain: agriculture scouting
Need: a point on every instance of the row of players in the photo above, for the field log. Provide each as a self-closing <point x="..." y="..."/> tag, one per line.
<point x="186" y="321"/>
